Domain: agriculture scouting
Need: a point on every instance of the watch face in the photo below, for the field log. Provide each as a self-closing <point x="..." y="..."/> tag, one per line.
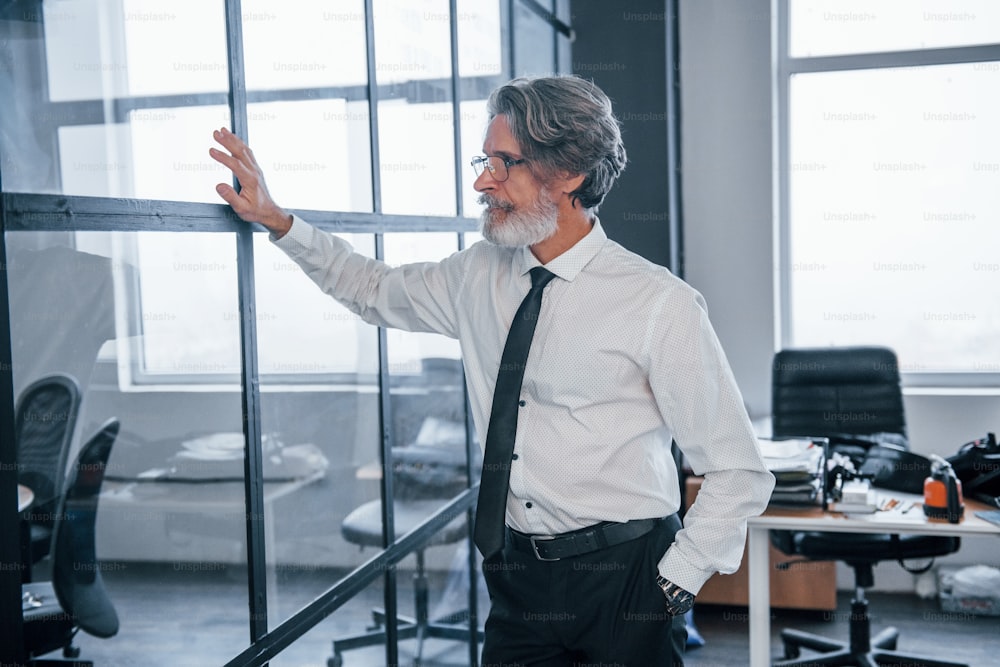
<point x="678" y="607"/>
<point x="678" y="600"/>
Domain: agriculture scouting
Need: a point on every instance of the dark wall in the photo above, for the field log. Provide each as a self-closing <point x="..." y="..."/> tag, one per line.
<point x="623" y="47"/>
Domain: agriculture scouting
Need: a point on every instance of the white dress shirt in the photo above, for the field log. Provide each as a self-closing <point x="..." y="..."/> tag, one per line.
<point x="623" y="360"/>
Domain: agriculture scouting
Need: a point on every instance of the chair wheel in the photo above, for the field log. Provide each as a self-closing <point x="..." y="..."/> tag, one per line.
<point x="336" y="661"/>
<point x="71" y="652"/>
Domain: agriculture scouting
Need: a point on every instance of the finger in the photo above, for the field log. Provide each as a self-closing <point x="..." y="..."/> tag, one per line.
<point x="231" y="142"/>
<point x="246" y="175"/>
<point x="239" y="205"/>
<point x="227" y="193"/>
<point x="226" y="159"/>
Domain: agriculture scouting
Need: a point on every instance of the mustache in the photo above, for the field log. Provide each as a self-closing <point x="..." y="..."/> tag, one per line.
<point x="494" y="202"/>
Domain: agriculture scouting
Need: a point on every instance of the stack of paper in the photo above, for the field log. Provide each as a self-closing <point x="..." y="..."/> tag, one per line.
<point x="798" y="468"/>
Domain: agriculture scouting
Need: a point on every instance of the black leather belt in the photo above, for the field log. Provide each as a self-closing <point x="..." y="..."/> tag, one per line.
<point x="582" y="541"/>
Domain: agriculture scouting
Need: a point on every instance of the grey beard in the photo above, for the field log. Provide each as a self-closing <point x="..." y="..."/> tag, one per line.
<point x="518" y="227"/>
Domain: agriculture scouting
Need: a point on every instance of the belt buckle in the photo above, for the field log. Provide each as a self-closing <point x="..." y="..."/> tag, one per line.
<point x="534" y="539"/>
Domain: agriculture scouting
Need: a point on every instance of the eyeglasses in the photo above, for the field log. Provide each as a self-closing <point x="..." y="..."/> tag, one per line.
<point x="497" y="165"/>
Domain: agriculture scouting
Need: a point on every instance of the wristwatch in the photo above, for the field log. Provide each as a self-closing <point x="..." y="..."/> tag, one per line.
<point x="679" y="601"/>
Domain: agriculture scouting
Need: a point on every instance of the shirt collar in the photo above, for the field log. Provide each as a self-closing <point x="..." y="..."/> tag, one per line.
<point x="571" y="262"/>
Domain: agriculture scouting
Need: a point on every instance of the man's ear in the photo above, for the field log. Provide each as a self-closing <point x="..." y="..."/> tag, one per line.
<point x="567" y="183"/>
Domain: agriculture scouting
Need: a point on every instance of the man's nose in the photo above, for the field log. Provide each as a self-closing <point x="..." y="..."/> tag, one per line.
<point x="484" y="181"/>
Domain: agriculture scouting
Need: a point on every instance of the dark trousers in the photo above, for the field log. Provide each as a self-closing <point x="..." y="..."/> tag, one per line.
<point x="600" y="608"/>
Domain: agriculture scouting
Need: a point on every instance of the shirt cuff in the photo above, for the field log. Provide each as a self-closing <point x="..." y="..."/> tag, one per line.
<point x="299" y="235"/>
<point x="675" y="569"/>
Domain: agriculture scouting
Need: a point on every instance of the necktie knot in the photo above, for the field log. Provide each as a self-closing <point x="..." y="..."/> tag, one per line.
<point x="540" y="277"/>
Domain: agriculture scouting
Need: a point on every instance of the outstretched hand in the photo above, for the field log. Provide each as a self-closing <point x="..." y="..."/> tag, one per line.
<point x="252" y="203"/>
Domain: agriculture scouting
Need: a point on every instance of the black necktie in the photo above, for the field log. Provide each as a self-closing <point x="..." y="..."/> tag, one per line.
<point x="492" y="506"/>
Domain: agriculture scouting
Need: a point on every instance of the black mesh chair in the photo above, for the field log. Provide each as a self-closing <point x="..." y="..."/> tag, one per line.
<point x="852" y="396"/>
<point x="44" y="421"/>
<point x="75" y="599"/>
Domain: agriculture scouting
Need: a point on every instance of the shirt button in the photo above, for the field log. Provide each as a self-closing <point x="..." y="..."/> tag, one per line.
<point x="522" y="403"/>
<point x="528" y="505"/>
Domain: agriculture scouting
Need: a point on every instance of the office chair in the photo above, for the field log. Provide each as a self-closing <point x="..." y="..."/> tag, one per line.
<point x="852" y="396"/>
<point x="75" y="599"/>
<point x="44" y="421"/>
<point x="423" y="476"/>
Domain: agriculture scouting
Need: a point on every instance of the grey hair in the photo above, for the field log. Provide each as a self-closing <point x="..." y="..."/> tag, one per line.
<point x="564" y="124"/>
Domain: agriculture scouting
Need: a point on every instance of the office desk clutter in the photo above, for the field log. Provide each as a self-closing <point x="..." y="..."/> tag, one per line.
<point x="857" y="496"/>
<point x="977" y="466"/>
<point x="943" y="493"/>
<point x="221" y="454"/>
<point x="798" y="466"/>
<point x="219" y="457"/>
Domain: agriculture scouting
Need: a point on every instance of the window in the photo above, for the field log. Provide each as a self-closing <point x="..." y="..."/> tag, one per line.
<point x="888" y="158"/>
<point x="308" y="122"/>
<point x="364" y="116"/>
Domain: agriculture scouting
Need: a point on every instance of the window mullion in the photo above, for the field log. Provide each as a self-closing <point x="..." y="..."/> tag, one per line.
<point x="250" y="394"/>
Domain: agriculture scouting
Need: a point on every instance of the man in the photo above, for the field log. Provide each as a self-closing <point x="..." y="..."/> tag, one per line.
<point x="593" y="566"/>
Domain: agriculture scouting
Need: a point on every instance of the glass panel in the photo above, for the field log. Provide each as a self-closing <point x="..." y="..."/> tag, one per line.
<point x="480" y="52"/>
<point x="197" y="348"/>
<point x="893" y="213"/>
<point x="99" y="160"/>
<point x="407" y="350"/>
<point x="306" y="336"/>
<point x="92" y="106"/>
<point x="356" y="618"/>
<point x="481" y="67"/>
<point x="304" y="44"/>
<point x="474" y="122"/>
<point x="833" y="27"/>
<point x="416" y="124"/>
<point x="353" y="619"/>
<point x="428" y="400"/>
<point x="314" y="148"/>
<point x="171" y="515"/>
<point x="534" y="43"/>
<point x="319" y="404"/>
<point x="101" y="50"/>
<point x="315" y="154"/>
<point x="180" y="340"/>
<point x="429" y="448"/>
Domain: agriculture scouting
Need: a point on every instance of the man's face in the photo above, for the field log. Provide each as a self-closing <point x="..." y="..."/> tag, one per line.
<point x="519" y="211"/>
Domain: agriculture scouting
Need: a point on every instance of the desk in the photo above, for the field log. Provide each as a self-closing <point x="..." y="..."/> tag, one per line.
<point x="214" y="509"/>
<point x="815" y="519"/>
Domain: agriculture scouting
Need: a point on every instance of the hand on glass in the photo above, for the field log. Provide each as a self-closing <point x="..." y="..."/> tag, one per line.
<point x="252" y="203"/>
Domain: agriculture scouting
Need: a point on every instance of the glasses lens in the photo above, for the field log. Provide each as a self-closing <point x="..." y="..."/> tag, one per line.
<point x="496" y="165"/>
<point x="499" y="168"/>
